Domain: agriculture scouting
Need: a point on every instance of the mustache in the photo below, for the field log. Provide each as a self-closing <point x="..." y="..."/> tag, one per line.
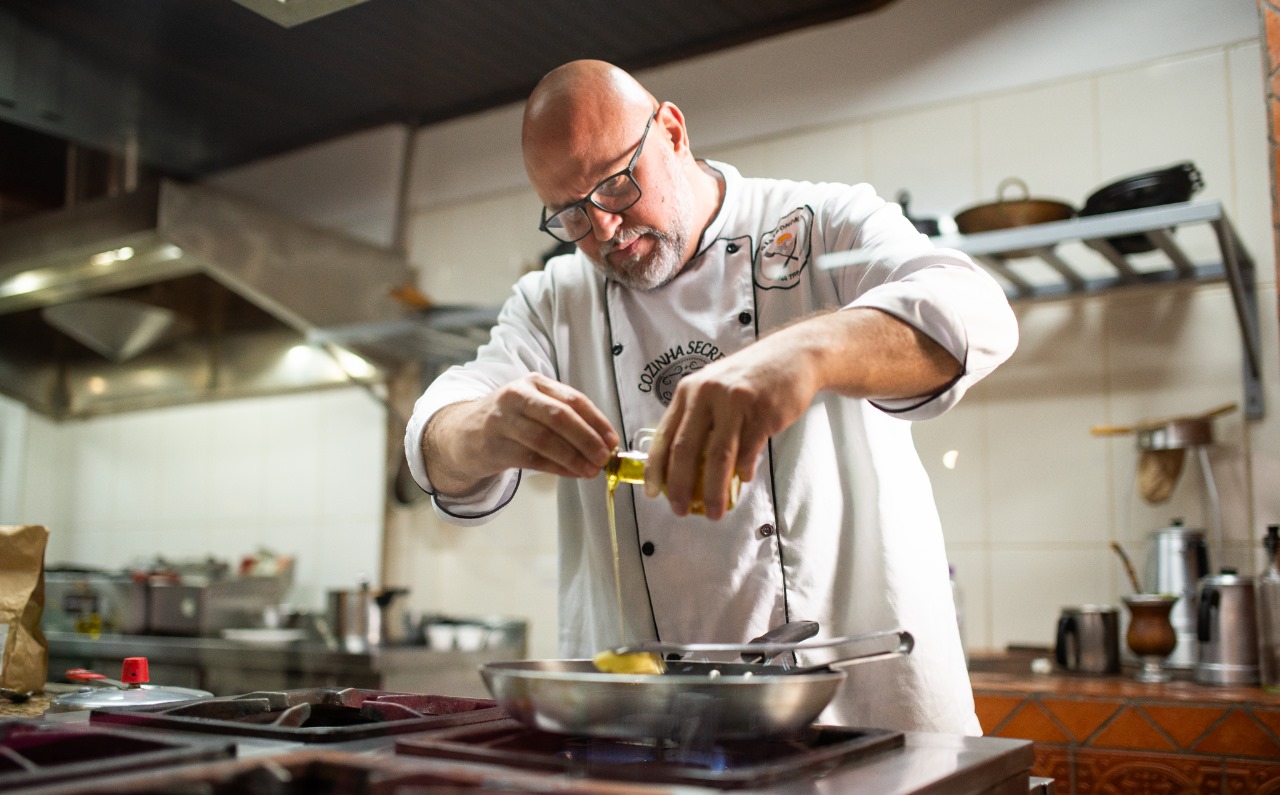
<point x="624" y="239"/>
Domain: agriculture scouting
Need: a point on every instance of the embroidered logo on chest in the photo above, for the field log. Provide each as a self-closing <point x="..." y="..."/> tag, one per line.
<point x="661" y="375"/>
<point x="784" y="252"/>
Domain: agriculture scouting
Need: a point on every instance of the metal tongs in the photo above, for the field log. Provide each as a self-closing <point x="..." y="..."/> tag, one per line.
<point x="757" y="651"/>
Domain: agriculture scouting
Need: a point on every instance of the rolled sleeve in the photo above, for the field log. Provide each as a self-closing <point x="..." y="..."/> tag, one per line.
<point x="957" y="305"/>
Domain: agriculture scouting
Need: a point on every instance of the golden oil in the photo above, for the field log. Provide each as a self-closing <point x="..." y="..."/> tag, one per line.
<point x="627" y="466"/>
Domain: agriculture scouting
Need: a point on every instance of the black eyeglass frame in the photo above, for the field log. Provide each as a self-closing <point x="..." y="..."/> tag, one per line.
<point x="581" y="204"/>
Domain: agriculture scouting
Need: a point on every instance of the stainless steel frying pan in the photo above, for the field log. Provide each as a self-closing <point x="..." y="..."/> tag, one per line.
<point x="692" y="699"/>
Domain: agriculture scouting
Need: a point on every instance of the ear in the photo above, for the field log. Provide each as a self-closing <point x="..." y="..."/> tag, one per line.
<point x="671" y="121"/>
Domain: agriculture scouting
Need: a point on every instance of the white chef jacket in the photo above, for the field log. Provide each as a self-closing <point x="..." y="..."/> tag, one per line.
<point x="839" y="524"/>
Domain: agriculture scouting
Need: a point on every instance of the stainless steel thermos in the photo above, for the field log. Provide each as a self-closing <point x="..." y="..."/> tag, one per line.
<point x="1089" y="639"/>
<point x="1227" y="630"/>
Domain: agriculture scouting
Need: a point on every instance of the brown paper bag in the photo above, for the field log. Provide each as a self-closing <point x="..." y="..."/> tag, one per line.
<point x="25" y="662"/>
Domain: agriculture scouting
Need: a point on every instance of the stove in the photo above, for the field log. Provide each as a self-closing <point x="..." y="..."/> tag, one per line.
<point x="314" y="771"/>
<point x="724" y="764"/>
<point x="310" y="715"/>
<point x="34" y="753"/>
<point x="349" y="740"/>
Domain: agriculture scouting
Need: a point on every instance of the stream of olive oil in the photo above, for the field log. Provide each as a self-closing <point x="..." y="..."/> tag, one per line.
<point x="621" y="468"/>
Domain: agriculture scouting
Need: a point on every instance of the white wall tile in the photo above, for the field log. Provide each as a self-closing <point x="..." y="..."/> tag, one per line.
<point x="1018" y="132"/>
<point x="1030" y="586"/>
<point x="961" y="489"/>
<point x="931" y="153"/>
<point x="1049" y="477"/>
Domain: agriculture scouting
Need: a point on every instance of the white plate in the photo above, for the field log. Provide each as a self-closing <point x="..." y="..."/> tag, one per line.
<point x="260" y="636"/>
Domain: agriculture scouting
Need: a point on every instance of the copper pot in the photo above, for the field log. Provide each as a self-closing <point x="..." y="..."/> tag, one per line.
<point x="1006" y="213"/>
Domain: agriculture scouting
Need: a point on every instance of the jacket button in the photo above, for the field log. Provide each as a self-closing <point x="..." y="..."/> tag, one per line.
<point x="647" y="548"/>
<point x="766" y="530"/>
<point x="745" y="318"/>
<point x="731" y="248"/>
<point x="617" y="349"/>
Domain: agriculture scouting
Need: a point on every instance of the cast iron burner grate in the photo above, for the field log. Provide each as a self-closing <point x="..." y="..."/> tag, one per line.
<point x="36" y="753"/>
<point x="325" y="772"/>
<point x="310" y="715"/>
<point x="725" y="764"/>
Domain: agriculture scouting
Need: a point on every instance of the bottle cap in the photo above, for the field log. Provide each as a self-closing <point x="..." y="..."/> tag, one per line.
<point x="134" y="671"/>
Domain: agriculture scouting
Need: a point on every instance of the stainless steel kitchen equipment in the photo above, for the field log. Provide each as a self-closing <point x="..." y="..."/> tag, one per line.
<point x="1228" y="631"/>
<point x="1088" y="639"/>
<point x="92" y="602"/>
<point x="721" y="700"/>
<point x="1177" y="558"/>
<point x="366" y="617"/>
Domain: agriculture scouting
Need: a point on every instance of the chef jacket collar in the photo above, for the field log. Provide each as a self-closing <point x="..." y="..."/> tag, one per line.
<point x="732" y="180"/>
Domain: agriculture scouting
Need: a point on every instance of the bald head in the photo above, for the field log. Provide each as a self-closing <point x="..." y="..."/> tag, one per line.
<point x="585" y="123"/>
<point x="582" y="91"/>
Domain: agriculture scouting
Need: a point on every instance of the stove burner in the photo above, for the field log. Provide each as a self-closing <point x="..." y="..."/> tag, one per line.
<point x="313" y="715"/>
<point x="37" y="753"/>
<point x="726" y="764"/>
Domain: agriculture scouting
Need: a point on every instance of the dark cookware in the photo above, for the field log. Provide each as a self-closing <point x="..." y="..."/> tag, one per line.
<point x="1005" y="213"/>
<point x="1169" y="185"/>
<point x="707" y="699"/>
<point x="925" y="226"/>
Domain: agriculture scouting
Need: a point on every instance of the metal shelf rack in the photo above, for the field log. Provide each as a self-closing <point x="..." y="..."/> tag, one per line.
<point x="1003" y="251"/>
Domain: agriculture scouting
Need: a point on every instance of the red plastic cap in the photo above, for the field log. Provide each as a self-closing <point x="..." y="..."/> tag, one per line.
<point x="134" y="671"/>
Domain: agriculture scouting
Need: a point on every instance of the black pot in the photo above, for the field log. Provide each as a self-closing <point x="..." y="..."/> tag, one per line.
<point x="925" y="226"/>
<point x="1149" y="189"/>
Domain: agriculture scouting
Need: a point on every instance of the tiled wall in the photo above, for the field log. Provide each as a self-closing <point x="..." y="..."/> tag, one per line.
<point x="1109" y="737"/>
<point x="301" y="475"/>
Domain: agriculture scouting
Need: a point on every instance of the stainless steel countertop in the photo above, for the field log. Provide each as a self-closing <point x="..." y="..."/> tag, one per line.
<point x="301" y="655"/>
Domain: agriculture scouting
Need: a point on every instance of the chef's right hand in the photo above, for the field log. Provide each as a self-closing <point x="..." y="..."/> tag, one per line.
<point x="533" y="422"/>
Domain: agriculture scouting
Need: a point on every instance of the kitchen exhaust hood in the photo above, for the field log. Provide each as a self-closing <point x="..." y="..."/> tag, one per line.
<point x="177" y="293"/>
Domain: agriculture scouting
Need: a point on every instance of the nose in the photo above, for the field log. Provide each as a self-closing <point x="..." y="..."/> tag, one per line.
<point x="603" y="223"/>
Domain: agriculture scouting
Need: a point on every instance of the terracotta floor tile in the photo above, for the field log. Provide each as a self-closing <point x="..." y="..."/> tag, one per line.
<point x="992" y="710"/>
<point x="1239" y="735"/>
<point x="1081" y="717"/>
<point x="1131" y="729"/>
<point x="1184" y="724"/>
<point x="1032" y="722"/>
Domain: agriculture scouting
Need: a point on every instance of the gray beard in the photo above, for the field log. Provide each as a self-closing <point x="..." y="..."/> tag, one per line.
<point x="648" y="273"/>
<point x="667" y="257"/>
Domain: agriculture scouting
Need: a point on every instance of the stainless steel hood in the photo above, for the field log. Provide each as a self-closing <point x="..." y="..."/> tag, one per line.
<point x="178" y="293"/>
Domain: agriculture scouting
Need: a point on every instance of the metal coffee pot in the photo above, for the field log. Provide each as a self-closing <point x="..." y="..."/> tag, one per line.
<point x="1177" y="559"/>
<point x="1089" y="639"/>
<point x="1227" y="630"/>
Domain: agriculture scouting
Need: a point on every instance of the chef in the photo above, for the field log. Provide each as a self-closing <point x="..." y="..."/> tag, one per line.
<point x="693" y="305"/>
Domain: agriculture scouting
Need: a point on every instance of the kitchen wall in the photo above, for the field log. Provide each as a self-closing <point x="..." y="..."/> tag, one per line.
<point x="1068" y="96"/>
<point x="944" y="99"/>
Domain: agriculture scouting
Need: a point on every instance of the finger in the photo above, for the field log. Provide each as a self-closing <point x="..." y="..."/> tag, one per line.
<point x="583" y="424"/>
<point x="718" y="461"/>
<point x="684" y="456"/>
<point x="530" y="444"/>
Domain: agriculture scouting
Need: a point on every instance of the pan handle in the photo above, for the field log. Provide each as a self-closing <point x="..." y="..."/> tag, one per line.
<point x="906" y="642"/>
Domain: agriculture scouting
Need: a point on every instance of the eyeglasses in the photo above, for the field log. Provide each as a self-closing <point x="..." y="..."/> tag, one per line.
<point x="613" y="194"/>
